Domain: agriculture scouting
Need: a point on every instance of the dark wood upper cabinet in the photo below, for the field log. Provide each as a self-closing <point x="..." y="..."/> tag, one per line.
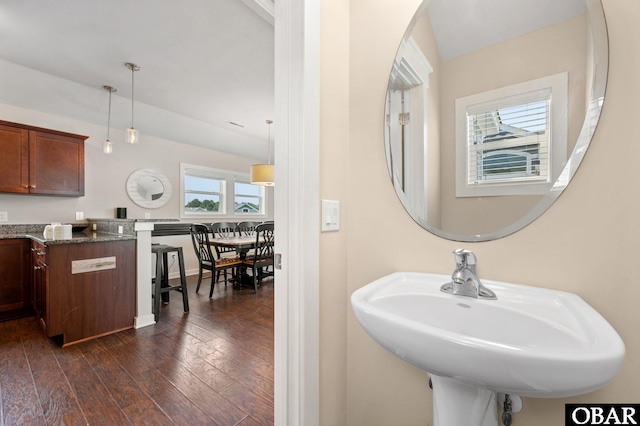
<point x="14" y="159"/>
<point x="34" y="160"/>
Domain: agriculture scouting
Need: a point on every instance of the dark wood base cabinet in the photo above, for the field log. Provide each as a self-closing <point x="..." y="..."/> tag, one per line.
<point x="85" y="290"/>
<point x="15" y="279"/>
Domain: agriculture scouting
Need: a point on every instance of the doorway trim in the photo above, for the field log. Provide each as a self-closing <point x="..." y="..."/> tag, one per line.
<point x="296" y="213"/>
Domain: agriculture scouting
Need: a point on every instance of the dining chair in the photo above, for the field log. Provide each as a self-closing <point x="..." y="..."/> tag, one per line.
<point x="223" y="230"/>
<point x="262" y="257"/>
<point x="206" y="260"/>
<point x="247" y="228"/>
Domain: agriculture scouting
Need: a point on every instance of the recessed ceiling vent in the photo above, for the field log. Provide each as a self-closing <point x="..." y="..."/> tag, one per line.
<point x="235" y="124"/>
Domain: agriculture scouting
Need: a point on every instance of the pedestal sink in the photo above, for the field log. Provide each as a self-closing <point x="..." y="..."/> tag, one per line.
<point x="529" y="342"/>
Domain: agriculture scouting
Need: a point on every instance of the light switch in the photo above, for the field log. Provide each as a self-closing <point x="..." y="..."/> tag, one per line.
<point x="4" y="217"/>
<point x="330" y="215"/>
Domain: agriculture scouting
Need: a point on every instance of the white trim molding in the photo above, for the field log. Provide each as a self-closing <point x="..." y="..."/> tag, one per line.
<point x="264" y="8"/>
<point x="297" y="217"/>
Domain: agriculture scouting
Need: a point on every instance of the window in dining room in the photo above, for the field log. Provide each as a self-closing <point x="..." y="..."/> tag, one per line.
<point x="211" y="193"/>
<point x="248" y="198"/>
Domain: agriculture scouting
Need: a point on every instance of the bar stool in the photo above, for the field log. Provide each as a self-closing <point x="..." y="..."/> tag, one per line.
<point x="162" y="277"/>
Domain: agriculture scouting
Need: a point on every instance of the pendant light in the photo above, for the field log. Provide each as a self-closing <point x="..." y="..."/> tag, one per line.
<point x="132" y="133"/>
<point x="107" y="146"/>
<point x="262" y="174"/>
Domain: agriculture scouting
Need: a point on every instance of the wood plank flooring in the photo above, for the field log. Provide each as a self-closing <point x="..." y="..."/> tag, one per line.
<point x="213" y="366"/>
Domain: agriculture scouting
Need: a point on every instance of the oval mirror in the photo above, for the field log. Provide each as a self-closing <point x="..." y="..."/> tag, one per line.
<point x="490" y="107"/>
<point x="149" y="188"/>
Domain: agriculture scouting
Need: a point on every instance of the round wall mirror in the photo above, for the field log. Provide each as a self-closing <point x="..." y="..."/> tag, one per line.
<point x="149" y="188"/>
<point x="490" y="108"/>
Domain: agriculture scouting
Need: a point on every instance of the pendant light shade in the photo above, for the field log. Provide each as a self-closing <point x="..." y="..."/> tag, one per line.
<point x="262" y="174"/>
<point x="107" y="146"/>
<point x="132" y="133"/>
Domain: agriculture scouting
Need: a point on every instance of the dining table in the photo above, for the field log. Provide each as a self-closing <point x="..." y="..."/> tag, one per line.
<point x="242" y="245"/>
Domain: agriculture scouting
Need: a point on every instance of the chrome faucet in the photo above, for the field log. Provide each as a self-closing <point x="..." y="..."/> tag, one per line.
<point x="464" y="280"/>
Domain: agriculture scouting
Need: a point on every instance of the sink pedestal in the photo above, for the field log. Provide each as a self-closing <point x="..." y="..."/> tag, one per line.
<point x="457" y="404"/>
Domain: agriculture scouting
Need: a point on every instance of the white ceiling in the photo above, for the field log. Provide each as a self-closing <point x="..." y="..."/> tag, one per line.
<point x="464" y="26"/>
<point x="203" y="63"/>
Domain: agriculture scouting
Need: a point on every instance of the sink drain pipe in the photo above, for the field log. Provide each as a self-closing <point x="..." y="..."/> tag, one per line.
<point x="510" y="405"/>
<point x="507" y="413"/>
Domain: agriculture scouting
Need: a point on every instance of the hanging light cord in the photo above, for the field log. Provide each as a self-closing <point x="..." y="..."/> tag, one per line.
<point x="109" y="115"/>
<point x="269" y="141"/>
<point x="133" y="71"/>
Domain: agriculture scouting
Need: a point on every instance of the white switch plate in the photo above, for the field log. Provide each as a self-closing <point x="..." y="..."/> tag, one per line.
<point x="147" y="215"/>
<point x="4" y="217"/>
<point x="79" y="215"/>
<point x="330" y="215"/>
<point x="120" y="230"/>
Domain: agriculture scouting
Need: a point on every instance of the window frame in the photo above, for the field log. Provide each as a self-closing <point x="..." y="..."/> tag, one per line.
<point x="557" y="84"/>
<point x="227" y="198"/>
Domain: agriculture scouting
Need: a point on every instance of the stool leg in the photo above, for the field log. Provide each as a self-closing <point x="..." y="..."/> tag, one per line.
<point x="165" y="276"/>
<point x="156" y="289"/>
<point x="183" y="281"/>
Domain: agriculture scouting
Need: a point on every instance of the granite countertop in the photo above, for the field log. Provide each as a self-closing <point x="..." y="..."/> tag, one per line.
<point x="82" y="237"/>
<point x="101" y="230"/>
<point x="77" y="237"/>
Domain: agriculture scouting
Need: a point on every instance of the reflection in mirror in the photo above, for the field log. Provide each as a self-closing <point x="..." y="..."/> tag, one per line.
<point x="149" y="188"/>
<point x="490" y="107"/>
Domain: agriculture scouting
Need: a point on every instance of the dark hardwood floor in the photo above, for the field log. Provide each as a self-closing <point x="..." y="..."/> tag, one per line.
<point x="213" y="366"/>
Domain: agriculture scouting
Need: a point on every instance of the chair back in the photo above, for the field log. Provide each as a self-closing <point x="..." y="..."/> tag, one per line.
<point x="200" y="239"/>
<point x="247" y="228"/>
<point x="264" y="241"/>
<point x="223" y="230"/>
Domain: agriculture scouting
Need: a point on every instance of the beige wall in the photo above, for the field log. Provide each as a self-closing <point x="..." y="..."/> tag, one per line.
<point x="586" y="243"/>
<point x="106" y="176"/>
<point x="334" y="155"/>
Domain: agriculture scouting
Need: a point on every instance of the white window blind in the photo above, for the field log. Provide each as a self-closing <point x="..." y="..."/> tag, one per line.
<point x="512" y="140"/>
<point x="509" y="139"/>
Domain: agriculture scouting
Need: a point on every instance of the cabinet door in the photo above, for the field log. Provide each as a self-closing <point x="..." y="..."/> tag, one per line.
<point x="14" y="159"/>
<point x="56" y="164"/>
<point x="15" y="279"/>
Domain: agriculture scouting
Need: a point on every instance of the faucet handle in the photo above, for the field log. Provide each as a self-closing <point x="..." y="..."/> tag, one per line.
<point x="465" y="257"/>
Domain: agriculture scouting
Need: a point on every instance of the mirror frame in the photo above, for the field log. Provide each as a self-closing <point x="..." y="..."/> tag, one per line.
<point x="595" y="12"/>
<point x="132" y="188"/>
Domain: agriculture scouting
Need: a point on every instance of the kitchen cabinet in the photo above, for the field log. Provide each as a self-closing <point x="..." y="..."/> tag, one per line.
<point x="84" y="290"/>
<point x="41" y="161"/>
<point x="15" y="279"/>
<point x="40" y="282"/>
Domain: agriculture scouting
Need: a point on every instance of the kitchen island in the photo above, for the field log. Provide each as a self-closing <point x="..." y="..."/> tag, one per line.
<point x="80" y="288"/>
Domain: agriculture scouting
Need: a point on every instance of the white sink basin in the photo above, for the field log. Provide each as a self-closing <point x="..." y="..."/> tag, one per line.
<point x="529" y="342"/>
